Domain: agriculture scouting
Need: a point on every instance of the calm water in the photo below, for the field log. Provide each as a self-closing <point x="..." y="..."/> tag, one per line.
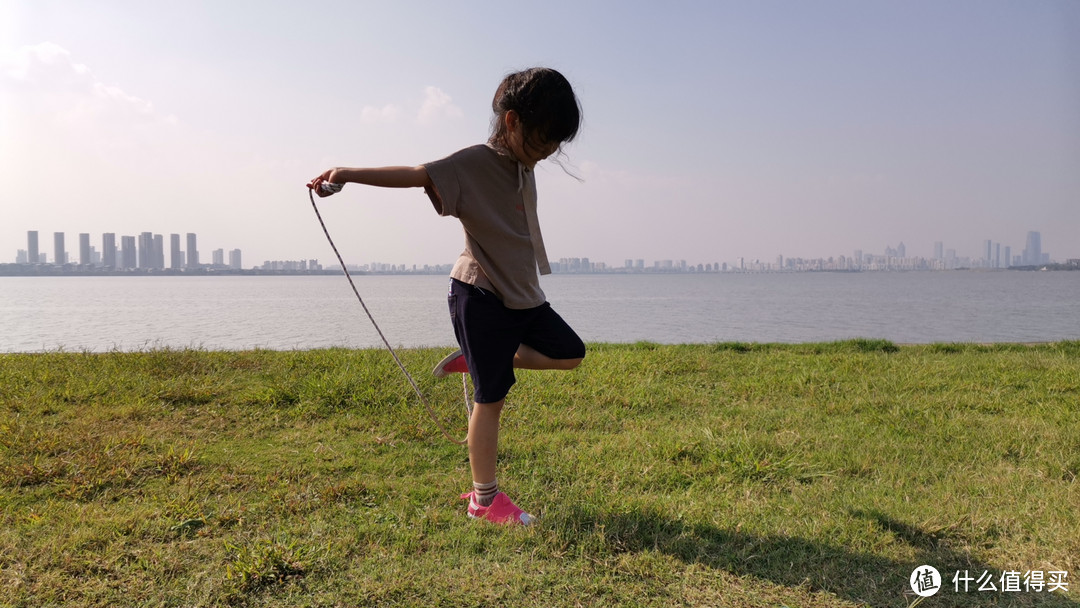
<point x="132" y="313"/>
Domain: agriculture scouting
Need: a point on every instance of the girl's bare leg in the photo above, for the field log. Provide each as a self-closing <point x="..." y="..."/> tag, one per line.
<point x="484" y="440"/>
<point x="484" y="423"/>
<point x="528" y="357"/>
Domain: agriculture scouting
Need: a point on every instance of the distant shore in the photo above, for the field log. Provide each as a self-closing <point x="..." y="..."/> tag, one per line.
<point x="74" y="270"/>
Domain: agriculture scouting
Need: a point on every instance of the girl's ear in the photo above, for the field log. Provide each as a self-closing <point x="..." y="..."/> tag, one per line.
<point x="512" y="120"/>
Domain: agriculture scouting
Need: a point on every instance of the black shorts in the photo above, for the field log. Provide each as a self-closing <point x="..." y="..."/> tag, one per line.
<point x="489" y="334"/>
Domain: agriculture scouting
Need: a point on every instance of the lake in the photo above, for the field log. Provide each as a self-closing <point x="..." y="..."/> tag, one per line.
<point x="303" y="312"/>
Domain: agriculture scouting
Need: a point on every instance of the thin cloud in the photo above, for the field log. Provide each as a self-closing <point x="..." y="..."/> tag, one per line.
<point x="34" y="63"/>
<point x="437" y="105"/>
<point x="386" y="114"/>
<point x="47" y="77"/>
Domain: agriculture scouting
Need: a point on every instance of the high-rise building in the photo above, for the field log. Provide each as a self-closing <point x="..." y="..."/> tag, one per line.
<point x="192" y="251"/>
<point x="59" y="255"/>
<point x="234" y="259"/>
<point x="159" y="252"/>
<point x="218" y="257"/>
<point x="1008" y="256"/>
<point x="176" y="256"/>
<point x="128" y="253"/>
<point x="146" y="250"/>
<point x="939" y="250"/>
<point x="84" y="249"/>
<point x="108" y="250"/>
<point x="1033" y="251"/>
<point x="33" y="256"/>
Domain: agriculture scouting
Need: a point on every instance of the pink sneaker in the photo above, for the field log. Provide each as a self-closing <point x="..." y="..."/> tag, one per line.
<point x="452" y="363"/>
<point x="501" y="511"/>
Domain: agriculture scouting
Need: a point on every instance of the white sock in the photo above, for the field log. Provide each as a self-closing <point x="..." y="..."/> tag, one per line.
<point x="484" y="493"/>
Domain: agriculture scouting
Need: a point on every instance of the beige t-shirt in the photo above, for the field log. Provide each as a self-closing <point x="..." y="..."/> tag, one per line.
<point x="493" y="196"/>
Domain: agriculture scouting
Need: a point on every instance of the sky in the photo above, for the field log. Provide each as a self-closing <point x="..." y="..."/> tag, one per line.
<point x="712" y="130"/>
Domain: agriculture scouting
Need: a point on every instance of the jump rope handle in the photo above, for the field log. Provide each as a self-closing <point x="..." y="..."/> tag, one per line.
<point x="326" y="187"/>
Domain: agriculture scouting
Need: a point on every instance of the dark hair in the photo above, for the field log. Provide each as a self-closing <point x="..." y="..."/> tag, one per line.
<point x="545" y="102"/>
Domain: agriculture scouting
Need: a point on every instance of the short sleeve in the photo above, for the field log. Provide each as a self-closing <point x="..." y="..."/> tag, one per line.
<point x="445" y="193"/>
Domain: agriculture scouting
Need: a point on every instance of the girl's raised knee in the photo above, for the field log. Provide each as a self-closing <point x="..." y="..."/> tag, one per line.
<point x="568" y="364"/>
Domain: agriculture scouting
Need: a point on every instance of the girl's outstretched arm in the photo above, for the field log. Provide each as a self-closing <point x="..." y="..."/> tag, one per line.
<point x="385" y="177"/>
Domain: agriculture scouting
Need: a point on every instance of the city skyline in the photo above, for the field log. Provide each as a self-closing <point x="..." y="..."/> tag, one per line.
<point x="143" y="252"/>
<point x="147" y="252"/>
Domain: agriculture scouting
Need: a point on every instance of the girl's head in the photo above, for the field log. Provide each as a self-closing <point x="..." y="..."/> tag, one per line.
<point x="536" y="111"/>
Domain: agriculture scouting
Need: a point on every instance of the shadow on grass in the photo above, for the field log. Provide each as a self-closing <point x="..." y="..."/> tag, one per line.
<point x="855" y="576"/>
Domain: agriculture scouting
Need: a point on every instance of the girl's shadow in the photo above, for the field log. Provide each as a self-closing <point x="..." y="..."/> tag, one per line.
<point x="820" y="566"/>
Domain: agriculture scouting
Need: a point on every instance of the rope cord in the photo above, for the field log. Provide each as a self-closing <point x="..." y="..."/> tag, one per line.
<point x="397" y="360"/>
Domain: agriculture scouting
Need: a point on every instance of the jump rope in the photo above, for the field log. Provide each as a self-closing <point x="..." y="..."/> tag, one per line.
<point x="330" y="189"/>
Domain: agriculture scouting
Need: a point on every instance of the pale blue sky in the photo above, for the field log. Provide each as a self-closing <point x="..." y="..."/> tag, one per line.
<point x="713" y="130"/>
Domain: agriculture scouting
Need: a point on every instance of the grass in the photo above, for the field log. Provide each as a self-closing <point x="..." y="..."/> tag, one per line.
<point x="736" y="474"/>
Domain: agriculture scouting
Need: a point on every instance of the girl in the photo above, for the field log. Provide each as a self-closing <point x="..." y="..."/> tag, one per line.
<point x="501" y="318"/>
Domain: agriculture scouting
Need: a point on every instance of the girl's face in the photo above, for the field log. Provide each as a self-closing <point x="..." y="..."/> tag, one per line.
<point x="528" y="150"/>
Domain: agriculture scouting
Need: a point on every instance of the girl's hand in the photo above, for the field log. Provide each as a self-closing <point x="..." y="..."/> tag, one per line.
<point x="323" y="186"/>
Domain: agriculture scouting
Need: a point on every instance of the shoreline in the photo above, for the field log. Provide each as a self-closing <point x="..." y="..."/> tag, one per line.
<point x="45" y="270"/>
<point x="854" y="344"/>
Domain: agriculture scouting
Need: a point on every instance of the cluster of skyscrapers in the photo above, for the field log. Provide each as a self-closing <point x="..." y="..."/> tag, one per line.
<point x="993" y="255"/>
<point x="996" y="255"/>
<point x="1032" y="255"/>
<point x="144" y="252"/>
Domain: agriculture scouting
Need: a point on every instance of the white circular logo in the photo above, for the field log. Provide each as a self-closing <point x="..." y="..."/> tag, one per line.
<point x="925" y="581"/>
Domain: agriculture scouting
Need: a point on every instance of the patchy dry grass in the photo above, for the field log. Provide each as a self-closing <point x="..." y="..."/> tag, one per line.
<point x="734" y="474"/>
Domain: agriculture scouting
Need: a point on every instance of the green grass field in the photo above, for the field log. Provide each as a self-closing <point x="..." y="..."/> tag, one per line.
<point x="702" y="475"/>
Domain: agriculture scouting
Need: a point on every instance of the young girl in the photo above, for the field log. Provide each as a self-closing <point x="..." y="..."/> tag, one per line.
<point x="501" y="318"/>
